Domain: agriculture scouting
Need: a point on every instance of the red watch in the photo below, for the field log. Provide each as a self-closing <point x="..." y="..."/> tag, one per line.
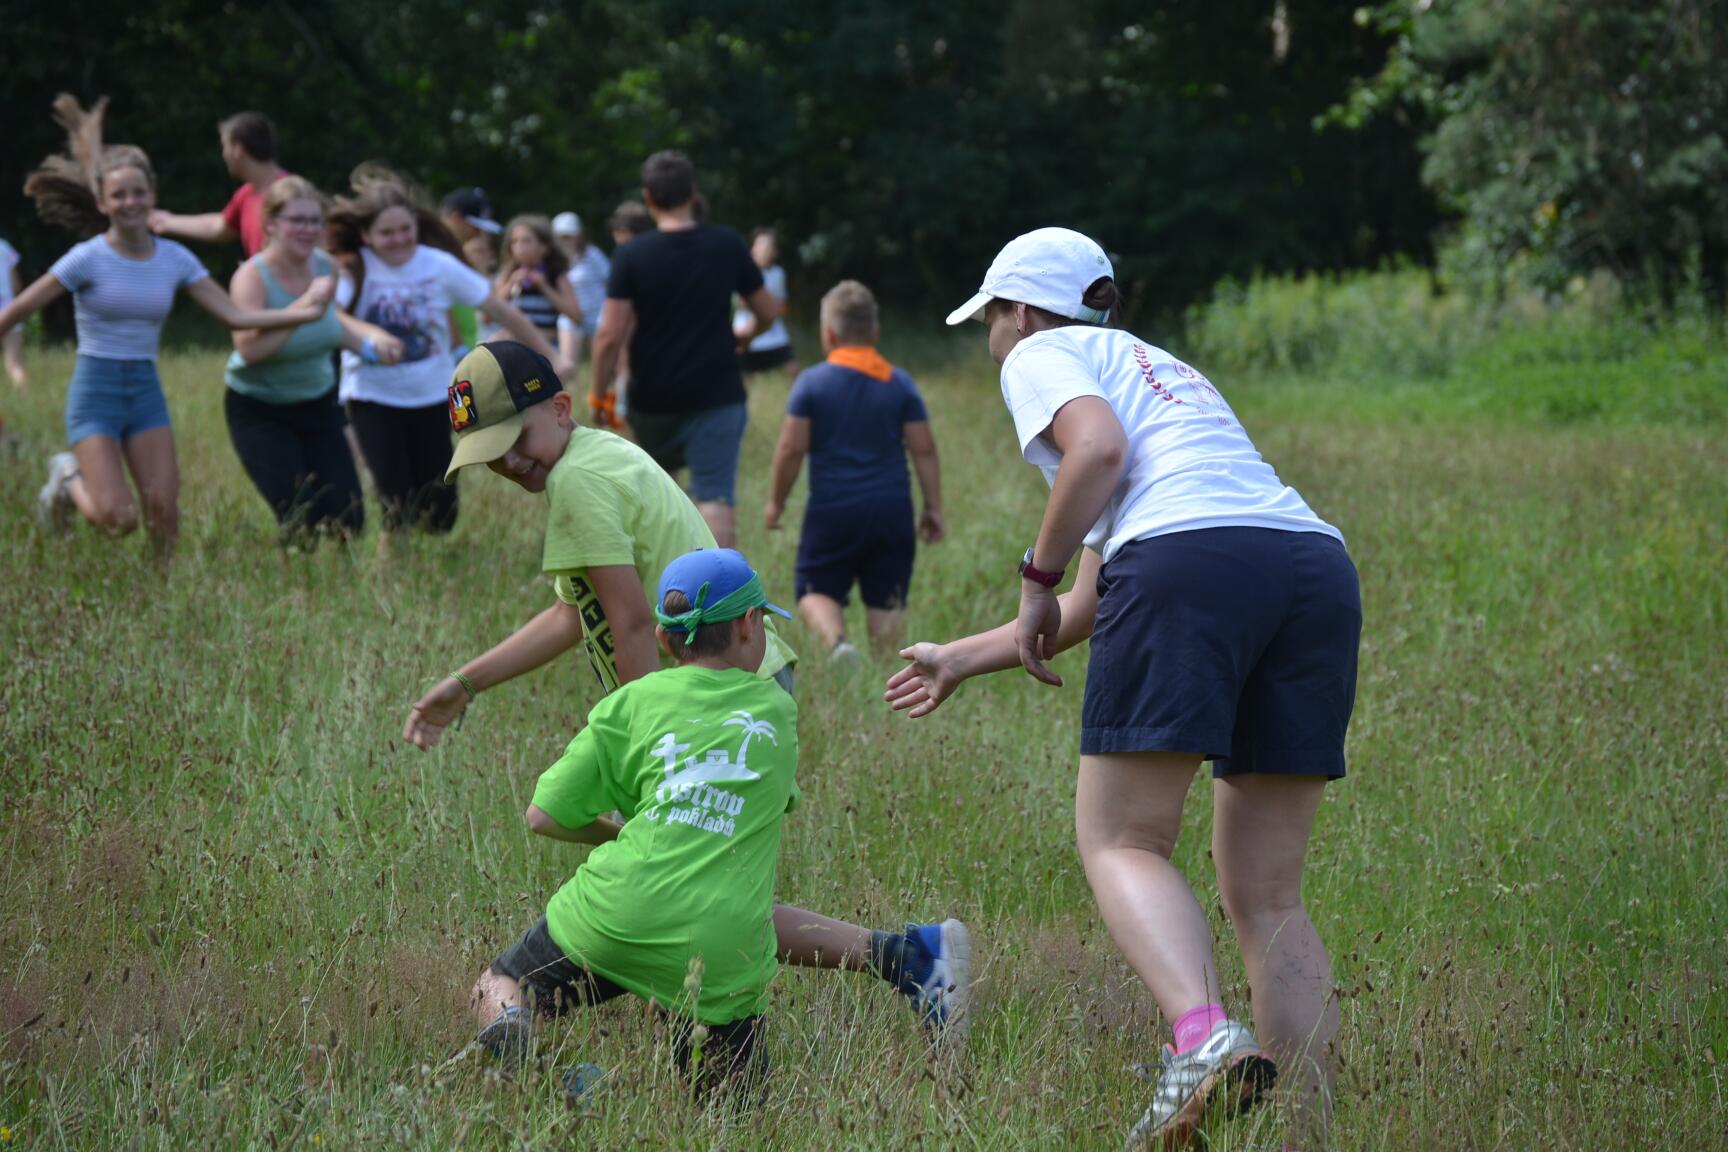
<point x="1038" y="575"/>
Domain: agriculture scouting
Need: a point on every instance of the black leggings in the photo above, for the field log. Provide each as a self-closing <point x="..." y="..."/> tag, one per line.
<point x="407" y="450"/>
<point x="297" y="456"/>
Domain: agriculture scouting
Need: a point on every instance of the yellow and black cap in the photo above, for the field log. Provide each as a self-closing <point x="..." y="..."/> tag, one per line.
<point x="494" y="384"/>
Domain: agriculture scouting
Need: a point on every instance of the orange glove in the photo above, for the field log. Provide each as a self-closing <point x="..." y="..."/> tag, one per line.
<point x="605" y="410"/>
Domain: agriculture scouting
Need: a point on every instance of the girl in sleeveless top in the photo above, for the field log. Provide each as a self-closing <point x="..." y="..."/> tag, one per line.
<point x="283" y="416"/>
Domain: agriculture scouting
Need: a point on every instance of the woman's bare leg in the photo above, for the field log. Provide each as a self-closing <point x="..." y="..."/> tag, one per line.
<point x="1259" y="839"/>
<point x="100" y="491"/>
<point x="1127" y="813"/>
<point x="156" y="468"/>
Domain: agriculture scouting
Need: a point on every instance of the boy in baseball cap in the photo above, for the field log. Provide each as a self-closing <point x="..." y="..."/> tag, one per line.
<point x="700" y="760"/>
<point x="615" y="521"/>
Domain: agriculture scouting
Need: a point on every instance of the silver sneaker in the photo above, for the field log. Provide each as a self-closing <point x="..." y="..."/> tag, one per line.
<point x="54" y="501"/>
<point x="1226" y="1070"/>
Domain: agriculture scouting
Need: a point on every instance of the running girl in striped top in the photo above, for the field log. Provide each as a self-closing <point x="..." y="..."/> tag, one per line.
<point x="534" y="275"/>
<point x="123" y="281"/>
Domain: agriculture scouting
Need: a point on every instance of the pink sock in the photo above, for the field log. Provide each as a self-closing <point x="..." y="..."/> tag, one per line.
<point x="1195" y="1024"/>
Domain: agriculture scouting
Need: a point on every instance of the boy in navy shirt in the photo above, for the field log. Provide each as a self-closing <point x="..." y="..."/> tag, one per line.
<point x="858" y="417"/>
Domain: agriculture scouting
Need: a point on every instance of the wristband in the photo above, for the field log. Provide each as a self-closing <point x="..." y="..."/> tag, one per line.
<point x="467" y="685"/>
<point x="368" y="351"/>
<point x="1038" y="575"/>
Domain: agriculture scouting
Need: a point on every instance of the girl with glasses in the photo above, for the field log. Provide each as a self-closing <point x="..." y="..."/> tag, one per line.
<point x="283" y="415"/>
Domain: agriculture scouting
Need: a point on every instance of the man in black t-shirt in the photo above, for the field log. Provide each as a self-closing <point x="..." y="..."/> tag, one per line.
<point x="670" y="297"/>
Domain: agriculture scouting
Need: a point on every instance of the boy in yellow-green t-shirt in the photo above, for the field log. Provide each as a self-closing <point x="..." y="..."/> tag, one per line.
<point x="615" y="520"/>
<point x="675" y="906"/>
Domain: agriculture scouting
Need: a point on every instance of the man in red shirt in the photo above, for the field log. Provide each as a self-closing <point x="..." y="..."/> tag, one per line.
<point x="249" y="150"/>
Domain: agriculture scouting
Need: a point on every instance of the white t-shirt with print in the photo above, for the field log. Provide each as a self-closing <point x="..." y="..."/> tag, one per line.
<point x="412" y="302"/>
<point x="1189" y="463"/>
<point x="8" y="261"/>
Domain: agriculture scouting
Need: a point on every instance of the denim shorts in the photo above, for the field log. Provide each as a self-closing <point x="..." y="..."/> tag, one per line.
<point x="1238" y="644"/>
<point x="114" y="398"/>
<point x="709" y="440"/>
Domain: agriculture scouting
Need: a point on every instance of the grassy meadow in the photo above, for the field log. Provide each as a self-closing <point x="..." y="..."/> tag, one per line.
<point x="236" y="911"/>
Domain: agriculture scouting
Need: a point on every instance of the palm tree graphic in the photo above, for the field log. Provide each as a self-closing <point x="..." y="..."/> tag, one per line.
<point x="752" y="727"/>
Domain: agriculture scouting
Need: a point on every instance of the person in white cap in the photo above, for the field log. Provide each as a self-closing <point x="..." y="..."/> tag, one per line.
<point x="1224" y="617"/>
<point x="589" y="268"/>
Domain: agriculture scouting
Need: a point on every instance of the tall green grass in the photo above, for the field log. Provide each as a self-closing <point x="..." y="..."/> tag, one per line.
<point x="236" y="912"/>
<point x="1408" y="344"/>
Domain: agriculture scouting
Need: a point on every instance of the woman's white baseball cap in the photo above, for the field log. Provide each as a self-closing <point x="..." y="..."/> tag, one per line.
<point x="1050" y="268"/>
<point x="566" y="224"/>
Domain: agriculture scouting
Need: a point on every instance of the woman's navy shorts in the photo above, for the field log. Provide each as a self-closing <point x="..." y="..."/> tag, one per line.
<point x="1235" y="643"/>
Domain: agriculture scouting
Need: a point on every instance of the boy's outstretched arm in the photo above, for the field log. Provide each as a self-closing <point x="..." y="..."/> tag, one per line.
<point x="921" y="445"/>
<point x="553" y="632"/>
<point x="603" y="828"/>
<point x="788" y="458"/>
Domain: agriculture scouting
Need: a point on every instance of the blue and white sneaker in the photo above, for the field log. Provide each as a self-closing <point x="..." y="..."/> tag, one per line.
<point x="936" y="975"/>
<point x="510" y="1036"/>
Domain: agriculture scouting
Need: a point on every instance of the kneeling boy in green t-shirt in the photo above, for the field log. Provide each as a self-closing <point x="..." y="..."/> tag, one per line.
<point x="676" y="906"/>
<point x="615" y="520"/>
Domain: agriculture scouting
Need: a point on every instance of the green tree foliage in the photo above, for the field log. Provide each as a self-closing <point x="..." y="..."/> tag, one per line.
<point x="897" y="142"/>
<point x="1571" y="135"/>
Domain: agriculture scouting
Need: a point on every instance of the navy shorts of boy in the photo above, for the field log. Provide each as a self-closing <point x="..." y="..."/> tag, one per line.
<point x="1238" y="644"/>
<point x="869" y="544"/>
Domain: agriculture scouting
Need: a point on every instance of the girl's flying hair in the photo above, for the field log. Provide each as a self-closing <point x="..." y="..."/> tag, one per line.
<point x="67" y="187"/>
<point x="377" y="189"/>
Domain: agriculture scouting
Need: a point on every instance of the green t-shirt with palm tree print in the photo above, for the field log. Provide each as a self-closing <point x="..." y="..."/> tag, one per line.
<point x="679" y="908"/>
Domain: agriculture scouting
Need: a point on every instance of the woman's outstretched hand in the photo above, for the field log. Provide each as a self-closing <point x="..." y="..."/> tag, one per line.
<point x="930" y="677"/>
<point x="1035" y="631"/>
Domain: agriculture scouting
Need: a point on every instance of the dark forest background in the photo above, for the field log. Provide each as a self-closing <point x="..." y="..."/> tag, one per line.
<point x="903" y="143"/>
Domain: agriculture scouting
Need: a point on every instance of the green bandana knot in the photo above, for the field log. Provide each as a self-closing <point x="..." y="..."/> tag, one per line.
<point x="729" y="607"/>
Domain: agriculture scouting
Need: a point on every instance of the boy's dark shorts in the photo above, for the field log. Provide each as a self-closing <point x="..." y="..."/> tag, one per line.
<point x="1235" y="643"/>
<point x="537" y="963"/>
<point x="870" y="544"/>
<point x="731" y="1053"/>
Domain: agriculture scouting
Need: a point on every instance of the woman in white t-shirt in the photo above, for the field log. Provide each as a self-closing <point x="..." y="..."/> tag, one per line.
<point x="407" y="276"/>
<point x="1224" y="617"/>
<point x="123" y="282"/>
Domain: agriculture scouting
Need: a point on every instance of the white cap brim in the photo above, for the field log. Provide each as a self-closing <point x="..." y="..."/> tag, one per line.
<point x="973" y="309"/>
<point x="485" y="224"/>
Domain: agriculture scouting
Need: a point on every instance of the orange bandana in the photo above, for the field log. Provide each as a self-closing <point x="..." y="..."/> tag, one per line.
<point x="861" y="358"/>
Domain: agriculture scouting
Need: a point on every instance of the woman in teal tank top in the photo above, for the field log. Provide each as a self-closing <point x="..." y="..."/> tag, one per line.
<point x="283" y="416"/>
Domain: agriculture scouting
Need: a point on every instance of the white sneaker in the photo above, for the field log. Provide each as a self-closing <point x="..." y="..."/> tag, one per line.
<point x="54" y="501"/>
<point x="1226" y="1069"/>
<point x="845" y="655"/>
